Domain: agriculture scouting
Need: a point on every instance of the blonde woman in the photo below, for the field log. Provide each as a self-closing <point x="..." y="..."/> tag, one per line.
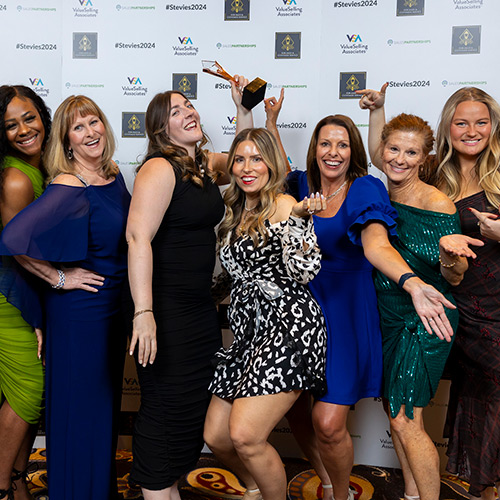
<point x="268" y="247"/>
<point x="79" y="221"/>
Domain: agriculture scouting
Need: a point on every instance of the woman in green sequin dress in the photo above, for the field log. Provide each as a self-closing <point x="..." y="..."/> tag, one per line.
<point x="414" y="358"/>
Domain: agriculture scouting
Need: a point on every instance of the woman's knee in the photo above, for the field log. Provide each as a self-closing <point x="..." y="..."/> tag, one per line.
<point x="246" y="440"/>
<point x="329" y="428"/>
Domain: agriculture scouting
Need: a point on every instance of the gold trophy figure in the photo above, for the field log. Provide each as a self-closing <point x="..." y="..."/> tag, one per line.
<point x="253" y="93"/>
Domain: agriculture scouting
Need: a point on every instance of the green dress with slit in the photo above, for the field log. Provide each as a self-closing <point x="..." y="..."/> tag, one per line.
<point x="21" y="372"/>
<point x="413" y="359"/>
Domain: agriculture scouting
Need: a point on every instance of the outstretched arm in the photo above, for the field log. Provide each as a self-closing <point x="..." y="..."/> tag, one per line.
<point x="244" y="117"/>
<point x="428" y="302"/>
<point x="374" y="101"/>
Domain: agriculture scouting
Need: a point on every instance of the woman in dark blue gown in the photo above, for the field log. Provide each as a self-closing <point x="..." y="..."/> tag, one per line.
<point x="79" y="222"/>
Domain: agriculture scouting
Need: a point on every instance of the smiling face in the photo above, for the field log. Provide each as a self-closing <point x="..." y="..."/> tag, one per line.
<point x="24" y="130"/>
<point x="249" y="170"/>
<point x="470" y="128"/>
<point x="402" y="155"/>
<point x="333" y="153"/>
<point x="183" y="127"/>
<point x="87" y="138"/>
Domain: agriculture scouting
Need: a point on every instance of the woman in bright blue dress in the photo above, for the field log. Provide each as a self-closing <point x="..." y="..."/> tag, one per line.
<point x="353" y="235"/>
<point x="79" y="222"/>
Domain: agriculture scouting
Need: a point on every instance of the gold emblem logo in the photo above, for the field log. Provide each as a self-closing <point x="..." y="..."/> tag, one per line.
<point x="287" y="43"/>
<point x="237" y="6"/>
<point x="134" y="123"/>
<point x="352" y="84"/>
<point x="410" y="3"/>
<point x="85" y="43"/>
<point x="466" y="38"/>
<point x="184" y="84"/>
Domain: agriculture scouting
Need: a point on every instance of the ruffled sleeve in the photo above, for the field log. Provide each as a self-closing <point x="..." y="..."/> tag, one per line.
<point x="55" y="227"/>
<point x="301" y="254"/>
<point x="368" y="201"/>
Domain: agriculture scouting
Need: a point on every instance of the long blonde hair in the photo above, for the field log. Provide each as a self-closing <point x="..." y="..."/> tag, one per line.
<point x="448" y="176"/>
<point x="56" y="157"/>
<point x="234" y="197"/>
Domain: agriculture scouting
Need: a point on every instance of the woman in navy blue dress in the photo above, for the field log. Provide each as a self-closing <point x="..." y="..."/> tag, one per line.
<point x="353" y="235"/>
<point x="79" y="222"/>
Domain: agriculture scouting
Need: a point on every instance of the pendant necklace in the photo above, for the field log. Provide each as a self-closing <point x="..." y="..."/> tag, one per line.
<point x="329" y="197"/>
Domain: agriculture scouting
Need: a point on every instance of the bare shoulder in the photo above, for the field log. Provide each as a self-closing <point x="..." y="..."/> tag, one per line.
<point x="157" y="168"/>
<point x="16" y="184"/>
<point x="67" y="180"/>
<point x="284" y="205"/>
<point x="436" y="201"/>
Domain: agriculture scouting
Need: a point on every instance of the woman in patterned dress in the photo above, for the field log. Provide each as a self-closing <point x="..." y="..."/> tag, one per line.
<point x="268" y="247"/>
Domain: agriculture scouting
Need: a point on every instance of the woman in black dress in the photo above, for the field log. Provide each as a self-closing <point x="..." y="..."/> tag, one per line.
<point x="175" y="206"/>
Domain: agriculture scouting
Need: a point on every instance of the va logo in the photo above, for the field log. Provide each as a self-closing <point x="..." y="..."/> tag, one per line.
<point x="289" y="2"/>
<point x="184" y="40"/>
<point x="134" y="80"/>
<point x="131" y="381"/>
<point x="36" y="82"/>
<point x="389" y="435"/>
<point x="354" y="38"/>
<point x="85" y="3"/>
<point x="231" y="120"/>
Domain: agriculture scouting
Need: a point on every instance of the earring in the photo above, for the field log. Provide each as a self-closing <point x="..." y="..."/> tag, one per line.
<point x="70" y="154"/>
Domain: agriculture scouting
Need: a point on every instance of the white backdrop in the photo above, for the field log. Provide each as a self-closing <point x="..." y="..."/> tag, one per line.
<point x="122" y="52"/>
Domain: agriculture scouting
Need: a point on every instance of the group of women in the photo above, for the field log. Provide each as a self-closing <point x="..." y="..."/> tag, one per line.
<point x="308" y="314"/>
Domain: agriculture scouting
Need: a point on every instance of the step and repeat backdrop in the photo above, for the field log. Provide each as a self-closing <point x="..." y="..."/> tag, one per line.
<point x="122" y="52"/>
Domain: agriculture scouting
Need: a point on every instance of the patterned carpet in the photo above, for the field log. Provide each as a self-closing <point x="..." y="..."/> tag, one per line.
<point x="211" y="482"/>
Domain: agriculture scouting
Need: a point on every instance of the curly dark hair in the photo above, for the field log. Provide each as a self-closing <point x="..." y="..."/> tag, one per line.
<point x="7" y="93"/>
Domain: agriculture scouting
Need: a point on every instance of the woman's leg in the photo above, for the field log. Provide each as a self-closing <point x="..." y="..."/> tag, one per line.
<point x="170" y="493"/>
<point x="251" y="421"/>
<point x="419" y="453"/>
<point x="21" y="491"/>
<point x="13" y="432"/>
<point x="300" y="420"/>
<point x="335" y="444"/>
<point x="217" y="437"/>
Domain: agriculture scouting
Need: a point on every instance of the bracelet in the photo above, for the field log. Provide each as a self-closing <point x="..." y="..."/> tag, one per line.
<point x="62" y="280"/>
<point x="142" y="311"/>
<point x="404" y="278"/>
<point x="448" y="265"/>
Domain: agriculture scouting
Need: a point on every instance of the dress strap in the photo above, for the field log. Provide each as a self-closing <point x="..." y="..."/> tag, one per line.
<point x="78" y="176"/>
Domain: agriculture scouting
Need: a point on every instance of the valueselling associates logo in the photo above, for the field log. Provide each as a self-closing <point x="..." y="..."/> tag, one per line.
<point x="288" y="8"/>
<point x="38" y="86"/>
<point x="84" y="45"/>
<point x="466" y="40"/>
<point x="467" y="4"/>
<point x="187" y="83"/>
<point x="287" y="45"/>
<point x="185" y="47"/>
<point x="410" y="7"/>
<point x="85" y="8"/>
<point x="133" y="124"/>
<point x="134" y="87"/>
<point x="236" y="10"/>
<point x="229" y="128"/>
<point x="350" y="82"/>
<point x="354" y="44"/>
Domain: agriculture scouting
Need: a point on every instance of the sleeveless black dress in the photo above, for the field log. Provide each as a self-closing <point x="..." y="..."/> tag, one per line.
<point x="168" y="435"/>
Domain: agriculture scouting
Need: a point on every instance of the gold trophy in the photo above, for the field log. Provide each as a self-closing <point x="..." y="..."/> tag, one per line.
<point x="253" y="93"/>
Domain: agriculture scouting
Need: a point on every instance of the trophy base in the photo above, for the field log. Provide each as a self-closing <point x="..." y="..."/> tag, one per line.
<point x="254" y="93"/>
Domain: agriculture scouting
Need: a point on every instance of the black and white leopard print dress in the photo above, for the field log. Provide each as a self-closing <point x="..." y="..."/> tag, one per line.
<point x="279" y="331"/>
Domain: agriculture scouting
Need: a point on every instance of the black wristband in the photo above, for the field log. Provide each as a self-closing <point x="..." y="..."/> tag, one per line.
<point x="404" y="277"/>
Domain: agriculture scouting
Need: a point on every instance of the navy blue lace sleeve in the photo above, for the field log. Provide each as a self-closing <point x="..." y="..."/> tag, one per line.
<point x="367" y="202"/>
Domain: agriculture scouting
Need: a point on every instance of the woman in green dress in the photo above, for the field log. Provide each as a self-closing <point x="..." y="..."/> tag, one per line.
<point x="24" y="129"/>
<point x="413" y="359"/>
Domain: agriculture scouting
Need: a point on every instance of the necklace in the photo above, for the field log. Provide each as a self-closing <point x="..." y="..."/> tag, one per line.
<point x="329" y="197"/>
<point x="249" y="209"/>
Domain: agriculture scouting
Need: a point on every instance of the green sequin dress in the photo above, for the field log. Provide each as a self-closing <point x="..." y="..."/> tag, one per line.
<point x="413" y="359"/>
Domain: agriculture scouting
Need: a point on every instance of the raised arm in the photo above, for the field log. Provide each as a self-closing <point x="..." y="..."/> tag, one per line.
<point x="374" y="101"/>
<point x="244" y="117"/>
<point x="272" y="107"/>
<point x="428" y="302"/>
<point x="153" y="189"/>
